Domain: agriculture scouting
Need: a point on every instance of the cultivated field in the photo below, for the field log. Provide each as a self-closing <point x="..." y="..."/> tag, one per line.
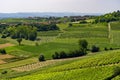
<point x="21" y="62"/>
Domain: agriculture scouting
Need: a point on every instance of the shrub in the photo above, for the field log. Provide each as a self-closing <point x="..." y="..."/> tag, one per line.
<point x="95" y="49"/>
<point x="41" y="58"/>
<point x="2" y="51"/>
<point x="63" y="54"/>
<point x="105" y="49"/>
<point x="3" y="36"/>
<point x="56" y="55"/>
<point x="4" y="72"/>
<point x="111" y="48"/>
<point x="71" y="54"/>
<point x="70" y="25"/>
<point x="83" y="46"/>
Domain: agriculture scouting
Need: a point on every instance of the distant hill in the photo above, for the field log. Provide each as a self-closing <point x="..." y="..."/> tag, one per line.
<point x="43" y="14"/>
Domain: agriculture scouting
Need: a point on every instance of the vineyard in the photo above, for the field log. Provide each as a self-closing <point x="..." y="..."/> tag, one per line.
<point x="93" y="66"/>
<point x="99" y="66"/>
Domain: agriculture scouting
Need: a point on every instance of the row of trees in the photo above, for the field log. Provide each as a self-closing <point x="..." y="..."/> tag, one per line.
<point x="44" y="27"/>
<point x="115" y="16"/>
<point x="39" y="26"/>
<point x="26" y="32"/>
<point x="82" y="51"/>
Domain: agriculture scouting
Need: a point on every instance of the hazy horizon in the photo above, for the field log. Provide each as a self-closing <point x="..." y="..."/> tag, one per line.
<point x="74" y="6"/>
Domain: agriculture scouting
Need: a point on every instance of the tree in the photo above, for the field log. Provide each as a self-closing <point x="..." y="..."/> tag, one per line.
<point x="25" y="32"/>
<point x="41" y="57"/>
<point x="3" y="51"/>
<point x="95" y="49"/>
<point x="70" y="25"/>
<point x="83" y="46"/>
<point x="55" y="55"/>
<point x="19" y="40"/>
<point x="63" y="54"/>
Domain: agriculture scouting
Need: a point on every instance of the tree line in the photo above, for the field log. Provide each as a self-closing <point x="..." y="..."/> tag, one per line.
<point x="114" y="16"/>
<point x="26" y="32"/>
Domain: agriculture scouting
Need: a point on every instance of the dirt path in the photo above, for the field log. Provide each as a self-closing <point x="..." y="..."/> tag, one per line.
<point x="109" y="29"/>
<point x="6" y="45"/>
<point x="37" y="65"/>
<point x="110" y="36"/>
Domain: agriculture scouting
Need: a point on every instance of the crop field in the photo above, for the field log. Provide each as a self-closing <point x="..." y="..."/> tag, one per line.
<point x="49" y="33"/>
<point x="93" y="66"/>
<point x="67" y="40"/>
<point x="100" y="66"/>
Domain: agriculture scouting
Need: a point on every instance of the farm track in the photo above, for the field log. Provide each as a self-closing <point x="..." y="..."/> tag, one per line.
<point x="110" y="36"/>
<point x="38" y="65"/>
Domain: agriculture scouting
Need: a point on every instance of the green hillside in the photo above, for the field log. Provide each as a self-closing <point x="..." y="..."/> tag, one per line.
<point x="60" y="49"/>
<point x="99" y="66"/>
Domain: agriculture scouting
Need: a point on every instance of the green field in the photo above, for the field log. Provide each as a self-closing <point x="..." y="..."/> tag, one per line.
<point x="99" y="66"/>
<point x="93" y="66"/>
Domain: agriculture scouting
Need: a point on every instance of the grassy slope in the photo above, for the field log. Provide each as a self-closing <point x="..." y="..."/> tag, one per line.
<point x="95" y="34"/>
<point x="53" y="44"/>
<point x="96" y="67"/>
<point x="47" y="49"/>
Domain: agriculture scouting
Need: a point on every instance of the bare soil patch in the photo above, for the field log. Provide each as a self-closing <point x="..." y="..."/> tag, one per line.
<point x="6" y="45"/>
<point x="2" y="62"/>
<point x="4" y="57"/>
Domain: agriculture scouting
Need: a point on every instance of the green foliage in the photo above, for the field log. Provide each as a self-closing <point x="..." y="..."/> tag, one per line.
<point x="70" y="25"/>
<point x="94" y="67"/>
<point x="3" y="36"/>
<point x="26" y="32"/>
<point x="56" y="55"/>
<point x="41" y="58"/>
<point x="95" y="49"/>
<point x="115" y="16"/>
<point x="45" y="27"/>
<point x="3" y="51"/>
<point x="4" y="72"/>
<point x="116" y="73"/>
<point x="2" y="27"/>
<point x="83" y="46"/>
<point x="19" y="40"/>
<point x="70" y="54"/>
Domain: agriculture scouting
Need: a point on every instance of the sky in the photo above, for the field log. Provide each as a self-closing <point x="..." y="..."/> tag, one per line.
<point x="82" y="6"/>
